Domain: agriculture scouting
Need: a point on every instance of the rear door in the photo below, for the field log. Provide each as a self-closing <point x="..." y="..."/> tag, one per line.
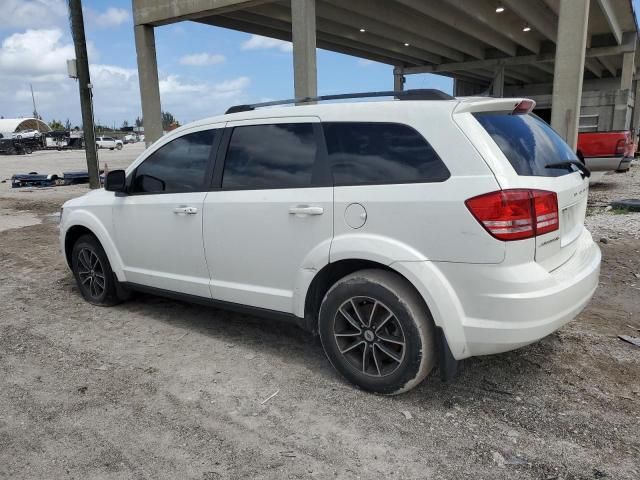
<point x="269" y="218"/>
<point x="522" y="147"/>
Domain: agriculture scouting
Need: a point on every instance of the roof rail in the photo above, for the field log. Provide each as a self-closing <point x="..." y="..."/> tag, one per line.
<point x="416" y="94"/>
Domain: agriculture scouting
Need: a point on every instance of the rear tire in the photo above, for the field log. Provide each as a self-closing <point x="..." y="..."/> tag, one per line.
<point x="92" y="271"/>
<point x="377" y="332"/>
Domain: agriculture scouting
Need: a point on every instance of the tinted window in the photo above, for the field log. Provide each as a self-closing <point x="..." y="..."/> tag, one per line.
<point x="528" y="143"/>
<point x="369" y="153"/>
<point x="179" y="166"/>
<point x="271" y="156"/>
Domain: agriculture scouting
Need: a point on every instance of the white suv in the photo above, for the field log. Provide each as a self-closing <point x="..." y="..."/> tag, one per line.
<point x="108" y="142"/>
<point x="403" y="232"/>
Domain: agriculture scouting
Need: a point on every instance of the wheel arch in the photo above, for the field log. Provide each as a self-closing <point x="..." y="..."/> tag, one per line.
<point x="81" y="222"/>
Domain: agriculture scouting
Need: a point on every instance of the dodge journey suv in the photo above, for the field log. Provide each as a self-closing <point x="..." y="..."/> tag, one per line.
<point x="408" y="232"/>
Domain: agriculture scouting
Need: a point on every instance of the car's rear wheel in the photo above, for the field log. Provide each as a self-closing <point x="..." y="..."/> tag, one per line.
<point x="119" y="147"/>
<point x="377" y="332"/>
<point x="93" y="273"/>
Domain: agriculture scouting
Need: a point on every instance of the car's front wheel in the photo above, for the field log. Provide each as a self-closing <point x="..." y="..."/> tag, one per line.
<point x="119" y="146"/>
<point x="93" y="273"/>
<point x="377" y="332"/>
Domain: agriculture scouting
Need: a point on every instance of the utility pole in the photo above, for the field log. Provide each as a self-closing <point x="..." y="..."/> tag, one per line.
<point x="35" y="110"/>
<point x="84" y="83"/>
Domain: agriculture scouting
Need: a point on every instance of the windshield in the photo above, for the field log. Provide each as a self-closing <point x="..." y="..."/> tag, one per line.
<point x="528" y="142"/>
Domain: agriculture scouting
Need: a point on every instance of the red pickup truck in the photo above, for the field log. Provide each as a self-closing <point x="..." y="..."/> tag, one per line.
<point x="605" y="151"/>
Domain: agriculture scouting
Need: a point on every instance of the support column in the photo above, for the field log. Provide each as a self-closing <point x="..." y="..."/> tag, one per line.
<point x="569" y="68"/>
<point x="497" y="87"/>
<point x="398" y="79"/>
<point x="303" y="30"/>
<point x="149" y="86"/>
<point x="636" y="112"/>
<point x="622" y="109"/>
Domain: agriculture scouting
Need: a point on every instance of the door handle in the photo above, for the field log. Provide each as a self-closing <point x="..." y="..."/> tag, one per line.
<point x="306" y="210"/>
<point x="185" y="210"/>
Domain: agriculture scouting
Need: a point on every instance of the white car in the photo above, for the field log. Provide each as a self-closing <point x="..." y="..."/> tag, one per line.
<point x="26" y="134"/>
<point x="404" y="232"/>
<point x="108" y="142"/>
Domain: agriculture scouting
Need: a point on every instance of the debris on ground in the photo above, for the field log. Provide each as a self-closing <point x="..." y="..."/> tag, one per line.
<point x="407" y="414"/>
<point x="270" y="397"/>
<point x="633" y="340"/>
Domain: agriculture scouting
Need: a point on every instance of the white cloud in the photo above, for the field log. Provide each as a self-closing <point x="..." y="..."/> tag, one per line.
<point x="35" y="53"/>
<point x="111" y="17"/>
<point x="202" y="59"/>
<point x="257" y="42"/>
<point x="32" y="13"/>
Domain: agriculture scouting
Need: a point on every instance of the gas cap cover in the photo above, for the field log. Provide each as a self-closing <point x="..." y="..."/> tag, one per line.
<point x="355" y="215"/>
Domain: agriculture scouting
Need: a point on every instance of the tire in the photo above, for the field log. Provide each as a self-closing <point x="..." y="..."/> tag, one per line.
<point x="89" y="263"/>
<point x="119" y="147"/>
<point x="397" y="354"/>
<point x="111" y="148"/>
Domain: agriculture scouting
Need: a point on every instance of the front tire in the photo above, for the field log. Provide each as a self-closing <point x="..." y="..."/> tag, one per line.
<point x="92" y="271"/>
<point x="377" y="332"/>
<point x="119" y="147"/>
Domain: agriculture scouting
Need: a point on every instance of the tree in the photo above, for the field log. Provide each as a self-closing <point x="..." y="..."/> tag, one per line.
<point x="67" y="125"/>
<point x="125" y="124"/>
<point x="138" y="122"/>
<point x="168" y="120"/>
<point x="56" y="125"/>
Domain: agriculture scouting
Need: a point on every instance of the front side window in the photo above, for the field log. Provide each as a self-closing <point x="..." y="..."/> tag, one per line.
<point x="271" y="156"/>
<point x="179" y="166"/>
<point x="362" y="153"/>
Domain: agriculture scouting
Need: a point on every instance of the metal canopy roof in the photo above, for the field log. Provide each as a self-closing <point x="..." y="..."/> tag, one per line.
<point x="11" y="125"/>
<point x="465" y="39"/>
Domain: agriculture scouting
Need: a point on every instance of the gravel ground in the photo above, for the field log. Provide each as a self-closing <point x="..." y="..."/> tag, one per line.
<point x="160" y="389"/>
<point x="601" y="219"/>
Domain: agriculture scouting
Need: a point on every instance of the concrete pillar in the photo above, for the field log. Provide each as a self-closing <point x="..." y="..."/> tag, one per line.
<point x="303" y="30"/>
<point x="636" y="111"/>
<point x="628" y="70"/>
<point x="149" y="86"/>
<point x="497" y="87"/>
<point x="569" y="68"/>
<point x="622" y="112"/>
<point x="398" y="79"/>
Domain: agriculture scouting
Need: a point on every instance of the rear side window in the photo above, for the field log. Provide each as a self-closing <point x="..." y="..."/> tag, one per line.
<point x="180" y="166"/>
<point x="528" y="142"/>
<point x="363" y="153"/>
<point x="271" y="156"/>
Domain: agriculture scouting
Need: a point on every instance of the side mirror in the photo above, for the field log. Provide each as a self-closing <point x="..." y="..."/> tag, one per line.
<point x="116" y="181"/>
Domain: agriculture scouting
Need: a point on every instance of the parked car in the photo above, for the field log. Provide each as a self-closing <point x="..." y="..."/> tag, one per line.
<point x="129" y="139"/>
<point x="403" y="232"/>
<point x="108" y="142"/>
<point x="26" y="134"/>
<point x="606" y="151"/>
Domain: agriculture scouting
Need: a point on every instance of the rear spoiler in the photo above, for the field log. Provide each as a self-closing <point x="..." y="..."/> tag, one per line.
<point x="517" y="106"/>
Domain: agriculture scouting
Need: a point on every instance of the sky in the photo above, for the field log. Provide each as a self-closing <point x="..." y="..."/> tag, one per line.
<point x="202" y="69"/>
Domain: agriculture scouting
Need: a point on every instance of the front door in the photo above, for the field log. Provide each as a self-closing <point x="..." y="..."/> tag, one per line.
<point x="271" y="217"/>
<point x="158" y="225"/>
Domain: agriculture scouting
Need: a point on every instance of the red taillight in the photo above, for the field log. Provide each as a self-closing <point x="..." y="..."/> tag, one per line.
<point x="516" y="214"/>
<point x="620" y="146"/>
<point x="523" y="107"/>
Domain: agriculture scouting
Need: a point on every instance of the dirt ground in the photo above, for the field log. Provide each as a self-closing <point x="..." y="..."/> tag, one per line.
<point x="159" y="389"/>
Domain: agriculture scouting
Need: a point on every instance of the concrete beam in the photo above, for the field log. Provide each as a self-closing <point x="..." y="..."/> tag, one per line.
<point x="593" y="66"/>
<point x="404" y="21"/>
<point x="433" y="50"/>
<point x="485" y="13"/>
<point x="595" y="52"/>
<point x="341" y="26"/>
<point x="537" y="15"/>
<point x="149" y="85"/>
<point x="497" y="86"/>
<point x="606" y="62"/>
<point x="303" y="34"/>
<point x="163" y="12"/>
<point x="450" y="16"/>
<point x="569" y="68"/>
<point x="612" y="20"/>
<point x="281" y="29"/>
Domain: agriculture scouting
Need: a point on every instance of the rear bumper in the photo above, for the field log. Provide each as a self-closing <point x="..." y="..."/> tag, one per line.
<point x="607" y="164"/>
<point x="504" y="307"/>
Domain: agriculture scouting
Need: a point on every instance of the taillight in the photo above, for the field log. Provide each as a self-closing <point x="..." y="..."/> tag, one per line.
<point x="516" y="214"/>
<point x="620" y="147"/>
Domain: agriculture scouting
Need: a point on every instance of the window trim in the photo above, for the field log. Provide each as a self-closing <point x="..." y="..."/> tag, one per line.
<point x="211" y="161"/>
<point x="325" y="180"/>
<point x="364" y="184"/>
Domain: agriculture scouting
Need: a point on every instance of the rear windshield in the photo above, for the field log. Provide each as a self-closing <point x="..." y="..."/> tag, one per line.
<point x="528" y="142"/>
